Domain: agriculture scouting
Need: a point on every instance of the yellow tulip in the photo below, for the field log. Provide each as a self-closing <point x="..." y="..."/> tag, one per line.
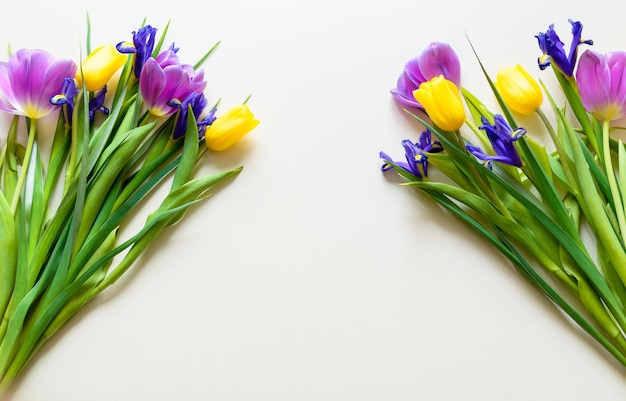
<point x="99" y="66"/>
<point x="518" y="89"/>
<point x="230" y="127"/>
<point x="442" y="102"/>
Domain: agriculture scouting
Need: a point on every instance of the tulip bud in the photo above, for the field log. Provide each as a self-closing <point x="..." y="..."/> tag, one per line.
<point x="229" y="128"/>
<point x="99" y="66"/>
<point x="442" y="102"/>
<point x="518" y="89"/>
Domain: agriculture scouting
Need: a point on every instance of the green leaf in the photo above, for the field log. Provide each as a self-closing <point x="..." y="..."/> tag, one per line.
<point x="476" y="107"/>
<point x="102" y="135"/>
<point x="191" y="191"/>
<point x="8" y="253"/>
<point x="58" y="156"/>
<point x="206" y="56"/>
<point x="10" y="169"/>
<point x="108" y="173"/>
<point x="84" y="293"/>
<point x="88" y="41"/>
<point x="573" y="97"/>
<point x="542" y="157"/>
<point x="34" y="199"/>
<point x="190" y="151"/>
<point x="159" y="44"/>
<point x="527" y="270"/>
<point x="505" y="109"/>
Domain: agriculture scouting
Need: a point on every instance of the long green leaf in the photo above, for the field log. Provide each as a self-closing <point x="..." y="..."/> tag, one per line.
<point x="190" y="151"/>
<point x="8" y="253"/>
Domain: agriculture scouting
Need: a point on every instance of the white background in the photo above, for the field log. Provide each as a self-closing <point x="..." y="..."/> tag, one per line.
<point x="313" y="276"/>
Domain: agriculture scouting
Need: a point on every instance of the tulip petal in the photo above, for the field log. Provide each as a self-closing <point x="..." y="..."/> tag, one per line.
<point x="7" y="98"/>
<point x="602" y="84"/>
<point x="403" y="92"/>
<point x="439" y="59"/>
<point x="30" y="79"/>
<point x="442" y="102"/>
<point x="230" y="127"/>
<point x="152" y="81"/>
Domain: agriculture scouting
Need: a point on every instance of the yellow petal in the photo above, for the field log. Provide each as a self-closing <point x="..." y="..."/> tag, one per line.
<point x="99" y="66"/>
<point x="442" y="102"/>
<point x="227" y="129"/>
<point x="518" y="89"/>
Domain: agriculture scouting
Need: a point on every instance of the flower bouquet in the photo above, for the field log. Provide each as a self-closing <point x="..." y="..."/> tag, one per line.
<point x="62" y="209"/>
<point x="556" y="211"/>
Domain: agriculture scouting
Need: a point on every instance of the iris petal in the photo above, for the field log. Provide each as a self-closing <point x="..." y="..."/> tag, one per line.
<point x="502" y="138"/>
<point x="554" y="50"/>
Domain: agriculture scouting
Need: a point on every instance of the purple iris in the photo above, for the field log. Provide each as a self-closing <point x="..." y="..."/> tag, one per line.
<point x="30" y="79"/>
<point x="502" y="138"/>
<point x="198" y="104"/>
<point x="164" y="87"/>
<point x="437" y="59"/>
<point x="554" y="51"/>
<point x="143" y="45"/>
<point x="97" y="104"/>
<point x="415" y="153"/>
<point x="601" y="81"/>
<point x="66" y="97"/>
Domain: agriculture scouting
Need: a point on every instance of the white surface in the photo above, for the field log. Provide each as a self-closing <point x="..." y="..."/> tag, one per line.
<point x="312" y="276"/>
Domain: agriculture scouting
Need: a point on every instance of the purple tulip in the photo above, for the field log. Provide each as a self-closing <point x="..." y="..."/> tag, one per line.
<point x="437" y="59"/>
<point x="602" y="84"/>
<point x="168" y="57"/>
<point x="30" y="79"/>
<point x="502" y="138"/>
<point x="163" y="88"/>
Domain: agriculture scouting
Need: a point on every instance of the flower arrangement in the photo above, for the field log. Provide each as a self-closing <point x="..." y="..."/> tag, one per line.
<point x="61" y="208"/>
<point x="557" y="213"/>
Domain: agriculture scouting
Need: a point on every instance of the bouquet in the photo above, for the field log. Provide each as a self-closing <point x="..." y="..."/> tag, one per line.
<point x="62" y="208"/>
<point x="556" y="211"/>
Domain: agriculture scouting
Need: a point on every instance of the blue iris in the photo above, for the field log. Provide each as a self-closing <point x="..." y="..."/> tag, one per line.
<point x="97" y="104"/>
<point x="198" y="103"/>
<point x="415" y="153"/>
<point x="143" y="41"/>
<point x="66" y="97"/>
<point x="502" y="138"/>
<point x="554" y="51"/>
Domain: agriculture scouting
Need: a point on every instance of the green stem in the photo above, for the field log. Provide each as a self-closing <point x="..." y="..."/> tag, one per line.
<point x="71" y="165"/>
<point x="3" y="155"/>
<point x="548" y="126"/>
<point x="32" y="137"/>
<point x="610" y="174"/>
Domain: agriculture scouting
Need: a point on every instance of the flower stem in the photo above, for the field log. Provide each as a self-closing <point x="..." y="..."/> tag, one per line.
<point x="610" y="173"/>
<point x="32" y="136"/>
